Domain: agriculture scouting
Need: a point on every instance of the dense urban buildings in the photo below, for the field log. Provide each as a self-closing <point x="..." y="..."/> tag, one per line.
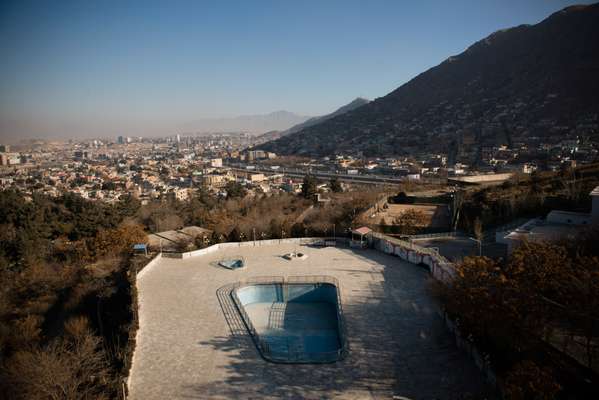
<point x="178" y="165"/>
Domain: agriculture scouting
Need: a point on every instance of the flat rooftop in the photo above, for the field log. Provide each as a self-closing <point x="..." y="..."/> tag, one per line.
<point x="192" y="344"/>
<point x="542" y="230"/>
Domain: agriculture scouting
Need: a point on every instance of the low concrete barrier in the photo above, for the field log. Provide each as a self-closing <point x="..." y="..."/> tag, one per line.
<point x="439" y="267"/>
<point x="149" y="265"/>
<point x="482" y="362"/>
<point x="250" y="243"/>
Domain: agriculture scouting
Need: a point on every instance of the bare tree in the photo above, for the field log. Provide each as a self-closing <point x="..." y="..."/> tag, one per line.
<point x="478" y="229"/>
<point x="572" y="186"/>
<point x="410" y="221"/>
<point x="528" y="380"/>
<point x="458" y="201"/>
<point x="168" y="222"/>
<point x="73" y="367"/>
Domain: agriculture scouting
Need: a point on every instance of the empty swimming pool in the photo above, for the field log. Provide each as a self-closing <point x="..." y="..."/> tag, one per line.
<point x="297" y="320"/>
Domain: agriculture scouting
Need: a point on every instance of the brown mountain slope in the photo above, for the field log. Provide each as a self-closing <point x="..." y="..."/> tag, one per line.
<point x="530" y="80"/>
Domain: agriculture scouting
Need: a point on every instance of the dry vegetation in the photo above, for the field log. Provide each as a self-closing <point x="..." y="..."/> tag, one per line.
<point x="529" y="196"/>
<point x="521" y="311"/>
<point x="65" y="302"/>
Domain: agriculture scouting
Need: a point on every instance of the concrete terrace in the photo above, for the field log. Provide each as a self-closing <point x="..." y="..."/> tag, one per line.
<point x="192" y="344"/>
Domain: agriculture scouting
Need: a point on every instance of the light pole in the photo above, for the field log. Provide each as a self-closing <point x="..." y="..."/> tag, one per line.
<point x="480" y="246"/>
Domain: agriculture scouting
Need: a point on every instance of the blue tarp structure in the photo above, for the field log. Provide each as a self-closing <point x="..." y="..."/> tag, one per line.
<point x="140" y="247"/>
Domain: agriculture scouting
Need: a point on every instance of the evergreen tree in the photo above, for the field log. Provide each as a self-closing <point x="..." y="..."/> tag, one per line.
<point x="235" y="189"/>
<point x="309" y="186"/>
<point x="335" y="185"/>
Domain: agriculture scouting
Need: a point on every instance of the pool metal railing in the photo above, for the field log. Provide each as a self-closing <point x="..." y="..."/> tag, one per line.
<point x="297" y="356"/>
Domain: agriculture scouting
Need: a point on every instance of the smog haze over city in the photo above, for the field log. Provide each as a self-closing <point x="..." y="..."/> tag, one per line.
<point x="106" y="68"/>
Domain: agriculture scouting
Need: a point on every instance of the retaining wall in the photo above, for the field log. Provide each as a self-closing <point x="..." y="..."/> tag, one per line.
<point x="250" y="243"/>
<point x="439" y="267"/>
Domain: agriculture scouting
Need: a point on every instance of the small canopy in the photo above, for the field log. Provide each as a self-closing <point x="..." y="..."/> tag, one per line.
<point x="361" y="231"/>
<point x="358" y="237"/>
<point x="140" y="247"/>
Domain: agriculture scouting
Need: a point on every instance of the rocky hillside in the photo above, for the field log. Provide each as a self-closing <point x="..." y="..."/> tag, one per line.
<point x="528" y="81"/>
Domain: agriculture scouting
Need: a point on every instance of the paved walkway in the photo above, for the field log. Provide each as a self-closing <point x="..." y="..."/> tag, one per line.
<point x="193" y="345"/>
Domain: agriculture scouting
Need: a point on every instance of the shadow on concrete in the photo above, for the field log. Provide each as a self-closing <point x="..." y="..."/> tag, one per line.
<point x="399" y="346"/>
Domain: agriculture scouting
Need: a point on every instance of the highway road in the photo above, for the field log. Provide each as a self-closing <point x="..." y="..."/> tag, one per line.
<point x="352" y="178"/>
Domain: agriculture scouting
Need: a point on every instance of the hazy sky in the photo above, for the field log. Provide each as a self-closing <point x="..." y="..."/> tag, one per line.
<point x="104" y="68"/>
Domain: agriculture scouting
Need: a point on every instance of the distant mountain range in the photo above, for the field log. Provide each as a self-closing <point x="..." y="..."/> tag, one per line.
<point x="359" y="101"/>
<point x="255" y="124"/>
<point x="530" y="80"/>
<point x="268" y="126"/>
<point x="273" y="135"/>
